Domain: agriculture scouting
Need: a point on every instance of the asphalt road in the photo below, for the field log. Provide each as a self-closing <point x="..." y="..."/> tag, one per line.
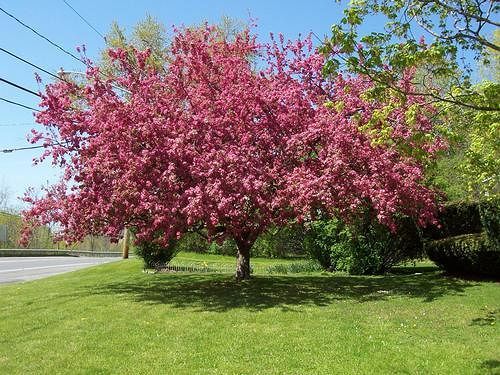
<point x="17" y="269"/>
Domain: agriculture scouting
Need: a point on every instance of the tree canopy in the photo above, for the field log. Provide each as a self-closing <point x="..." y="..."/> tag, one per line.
<point x="211" y="142"/>
<point x="434" y="36"/>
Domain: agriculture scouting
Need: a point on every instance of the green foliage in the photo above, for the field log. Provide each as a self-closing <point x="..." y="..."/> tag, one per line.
<point x="228" y="247"/>
<point x="192" y="242"/>
<point x="375" y="249"/>
<point x="283" y="242"/>
<point x="466" y="254"/>
<point x="154" y="254"/>
<point x="276" y="242"/>
<point x="148" y="33"/>
<point x="482" y="156"/>
<point x="362" y="248"/>
<point x="322" y="237"/>
<point x="468" y="169"/>
<point x="41" y="236"/>
<point x="384" y="55"/>
<point x="456" y="218"/>
<point x="490" y="219"/>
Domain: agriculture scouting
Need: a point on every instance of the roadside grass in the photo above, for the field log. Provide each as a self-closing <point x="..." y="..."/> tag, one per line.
<point x="116" y="319"/>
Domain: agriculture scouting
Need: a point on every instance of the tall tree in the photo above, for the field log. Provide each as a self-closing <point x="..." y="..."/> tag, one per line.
<point x="209" y="142"/>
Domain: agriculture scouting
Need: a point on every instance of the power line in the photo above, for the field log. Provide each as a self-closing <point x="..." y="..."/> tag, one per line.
<point x="19" y="104"/>
<point x="84" y="20"/>
<point x="31" y="64"/>
<point x="54" y="75"/>
<point x="9" y="150"/>
<point x="18" y="86"/>
<point x="56" y="45"/>
<point x="42" y="36"/>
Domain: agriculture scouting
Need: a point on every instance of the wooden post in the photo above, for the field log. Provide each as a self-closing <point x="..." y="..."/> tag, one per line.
<point x="126" y="240"/>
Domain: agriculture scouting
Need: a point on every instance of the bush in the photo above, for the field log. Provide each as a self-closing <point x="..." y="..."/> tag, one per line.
<point x="192" y="242"/>
<point x="228" y="247"/>
<point x="320" y="239"/>
<point x="283" y="242"/>
<point x="375" y="249"/>
<point x="466" y="254"/>
<point x="155" y="255"/>
<point x="366" y="247"/>
<point x="455" y="219"/>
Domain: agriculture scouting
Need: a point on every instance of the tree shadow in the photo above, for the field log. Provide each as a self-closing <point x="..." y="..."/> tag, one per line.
<point x="489" y="319"/>
<point x="492" y="366"/>
<point x="221" y="293"/>
<point x="412" y="270"/>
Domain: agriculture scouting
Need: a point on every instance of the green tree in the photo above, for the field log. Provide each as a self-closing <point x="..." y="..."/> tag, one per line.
<point x="452" y="27"/>
<point x="148" y="33"/>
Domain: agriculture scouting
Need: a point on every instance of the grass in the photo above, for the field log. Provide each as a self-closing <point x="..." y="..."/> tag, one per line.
<point x="226" y="264"/>
<point x="116" y="319"/>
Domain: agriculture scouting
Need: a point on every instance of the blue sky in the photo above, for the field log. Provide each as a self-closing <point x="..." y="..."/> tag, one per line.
<point x="57" y="21"/>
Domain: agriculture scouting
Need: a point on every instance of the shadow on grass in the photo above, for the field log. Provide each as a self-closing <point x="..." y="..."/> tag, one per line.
<point x="222" y="293"/>
<point x="411" y="270"/>
<point x="488" y="319"/>
<point x="491" y="365"/>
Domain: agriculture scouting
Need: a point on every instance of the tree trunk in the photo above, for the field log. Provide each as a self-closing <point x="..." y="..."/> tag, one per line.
<point x="243" y="260"/>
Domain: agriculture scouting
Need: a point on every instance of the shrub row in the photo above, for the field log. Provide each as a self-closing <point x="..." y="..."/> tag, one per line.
<point x="467" y="217"/>
<point x="466" y="254"/>
<point x="468" y="241"/>
<point x="490" y="219"/>
<point x="367" y="247"/>
<point x="363" y="248"/>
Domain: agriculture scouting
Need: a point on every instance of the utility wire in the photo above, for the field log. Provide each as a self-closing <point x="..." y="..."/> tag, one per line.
<point x="18" y="86"/>
<point x="31" y="64"/>
<point x="9" y="150"/>
<point x="19" y="104"/>
<point x="54" y="75"/>
<point x="84" y="20"/>
<point x="42" y="36"/>
<point x="56" y="45"/>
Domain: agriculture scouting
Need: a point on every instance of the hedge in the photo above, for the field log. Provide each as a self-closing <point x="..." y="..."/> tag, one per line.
<point x="490" y="219"/>
<point x="456" y="219"/>
<point x="466" y="254"/>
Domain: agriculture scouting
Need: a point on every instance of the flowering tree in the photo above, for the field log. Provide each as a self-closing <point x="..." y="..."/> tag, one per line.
<point x="213" y="142"/>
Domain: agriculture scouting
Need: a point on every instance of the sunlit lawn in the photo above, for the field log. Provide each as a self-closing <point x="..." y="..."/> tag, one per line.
<point x="116" y="319"/>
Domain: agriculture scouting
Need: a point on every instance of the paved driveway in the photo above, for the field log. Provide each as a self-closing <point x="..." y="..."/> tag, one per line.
<point x="16" y="269"/>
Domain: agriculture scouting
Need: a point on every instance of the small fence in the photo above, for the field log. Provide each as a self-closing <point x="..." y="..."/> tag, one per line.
<point x="196" y="268"/>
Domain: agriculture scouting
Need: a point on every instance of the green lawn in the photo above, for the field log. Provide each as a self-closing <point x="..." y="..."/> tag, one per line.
<point x="116" y="319"/>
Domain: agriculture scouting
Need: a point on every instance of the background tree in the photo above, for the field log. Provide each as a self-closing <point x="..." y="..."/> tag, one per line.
<point x="148" y="33"/>
<point x="209" y="142"/>
<point x="151" y="34"/>
<point x="453" y="28"/>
